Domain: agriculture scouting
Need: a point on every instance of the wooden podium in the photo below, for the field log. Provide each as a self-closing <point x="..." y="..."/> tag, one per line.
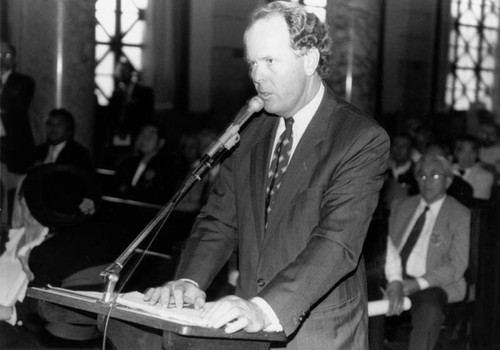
<point x="133" y="329"/>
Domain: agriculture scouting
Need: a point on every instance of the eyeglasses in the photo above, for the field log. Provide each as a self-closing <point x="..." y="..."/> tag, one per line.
<point x="7" y="54"/>
<point x="433" y="177"/>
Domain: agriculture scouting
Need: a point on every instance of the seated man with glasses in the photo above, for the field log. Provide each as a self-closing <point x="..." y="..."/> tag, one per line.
<point x="427" y="252"/>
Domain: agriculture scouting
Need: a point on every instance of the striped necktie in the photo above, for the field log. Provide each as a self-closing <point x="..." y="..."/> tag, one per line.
<point x="279" y="163"/>
<point x="412" y="240"/>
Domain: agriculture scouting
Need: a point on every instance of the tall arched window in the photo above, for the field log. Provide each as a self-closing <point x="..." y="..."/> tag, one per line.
<point x="119" y="34"/>
<point x="473" y="42"/>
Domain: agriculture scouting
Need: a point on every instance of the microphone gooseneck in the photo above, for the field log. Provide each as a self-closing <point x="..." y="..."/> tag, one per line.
<point x="230" y="137"/>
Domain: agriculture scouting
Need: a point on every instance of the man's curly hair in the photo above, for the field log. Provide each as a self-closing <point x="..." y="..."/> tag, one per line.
<point x="305" y="28"/>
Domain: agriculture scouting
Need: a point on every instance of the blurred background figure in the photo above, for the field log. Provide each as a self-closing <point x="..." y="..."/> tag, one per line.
<point x="59" y="234"/>
<point x="400" y="182"/>
<point x="489" y="153"/>
<point x="60" y="146"/>
<point x="144" y="175"/>
<point x="130" y="106"/>
<point x="16" y="138"/>
<point x="459" y="189"/>
<point x="470" y="169"/>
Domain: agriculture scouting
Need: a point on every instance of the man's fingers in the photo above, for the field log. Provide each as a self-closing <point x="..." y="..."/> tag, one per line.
<point x="236" y="325"/>
<point x="178" y="293"/>
<point x="152" y="295"/>
<point x="199" y="302"/>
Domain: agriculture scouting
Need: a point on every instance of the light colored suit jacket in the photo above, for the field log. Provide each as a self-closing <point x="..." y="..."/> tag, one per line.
<point x="448" y="252"/>
<point x="481" y="181"/>
<point x="306" y="264"/>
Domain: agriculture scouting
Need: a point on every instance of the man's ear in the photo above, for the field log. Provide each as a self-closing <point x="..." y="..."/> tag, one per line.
<point x="311" y="60"/>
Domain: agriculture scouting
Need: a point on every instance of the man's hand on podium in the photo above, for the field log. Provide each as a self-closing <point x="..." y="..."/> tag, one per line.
<point x="176" y="293"/>
<point x="236" y="313"/>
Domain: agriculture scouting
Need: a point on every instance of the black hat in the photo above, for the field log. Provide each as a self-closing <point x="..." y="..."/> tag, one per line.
<point x="54" y="192"/>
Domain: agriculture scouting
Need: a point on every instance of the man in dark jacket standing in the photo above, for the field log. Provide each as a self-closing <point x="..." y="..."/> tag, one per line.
<point x="16" y="138"/>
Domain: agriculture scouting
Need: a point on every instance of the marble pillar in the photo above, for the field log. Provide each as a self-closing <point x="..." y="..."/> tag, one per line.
<point x="55" y="44"/>
<point x="355" y="28"/>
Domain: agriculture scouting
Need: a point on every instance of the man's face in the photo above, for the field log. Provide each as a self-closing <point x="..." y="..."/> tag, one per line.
<point x="401" y="150"/>
<point x="7" y="59"/>
<point x="432" y="181"/>
<point x="466" y="154"/>
<point x="57" y="130"/>
<point x="148" y="141"/>
<point x="278" y="72"/>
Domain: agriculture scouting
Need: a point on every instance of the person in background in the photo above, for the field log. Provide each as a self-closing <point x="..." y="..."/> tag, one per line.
<point x="489" y="153"/>
<point x="469" y="168"/>
<point x="399" y="182"/>
<point x="294" y="198"/>
<point x="143" y="175"/>
<point x="58" y="235"/>
<point x="427" y="253"/>
<point x="459" y="189"/>
<point x="16" y="137"/>
<point x="130" y="106"/>
<point x="60" y="146"/>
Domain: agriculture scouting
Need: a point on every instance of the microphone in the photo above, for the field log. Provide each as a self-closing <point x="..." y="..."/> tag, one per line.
<point x="230" y="137"/>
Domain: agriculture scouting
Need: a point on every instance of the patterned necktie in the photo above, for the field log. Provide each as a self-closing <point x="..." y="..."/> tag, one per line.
<point x="412" y="239"/>
<point x="279" y="163"/>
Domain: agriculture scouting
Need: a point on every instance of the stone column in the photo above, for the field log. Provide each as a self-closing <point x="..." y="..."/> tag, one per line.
<point x="355" y="28"/>
<point x="55" y="44"/>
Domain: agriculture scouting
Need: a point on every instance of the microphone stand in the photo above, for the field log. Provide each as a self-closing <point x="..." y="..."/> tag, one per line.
<point x="111" y="274"/>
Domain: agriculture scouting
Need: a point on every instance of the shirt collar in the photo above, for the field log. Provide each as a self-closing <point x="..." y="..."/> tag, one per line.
<point x="434" y="207"/>
<point x="6" y="75"/>
<point x="304" y="116"/>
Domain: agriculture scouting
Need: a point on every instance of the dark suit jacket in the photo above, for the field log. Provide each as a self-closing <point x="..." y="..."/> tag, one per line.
<point x="73" y="153"/>
<point x="448" y="254"/>
<point x="128" y="116"/>
<point x="306" y="264"/>
<point x="17" y="146"/>
<point x="155" y="185"/>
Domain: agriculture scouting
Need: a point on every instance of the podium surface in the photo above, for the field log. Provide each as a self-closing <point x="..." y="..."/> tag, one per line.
<point x="132" y="329"/>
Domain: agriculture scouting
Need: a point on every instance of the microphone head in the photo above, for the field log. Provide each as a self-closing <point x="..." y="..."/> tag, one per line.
<point x="255" y="104"/>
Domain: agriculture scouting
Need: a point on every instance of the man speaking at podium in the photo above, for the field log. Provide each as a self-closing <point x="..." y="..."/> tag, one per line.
<point x="294" y="199"/>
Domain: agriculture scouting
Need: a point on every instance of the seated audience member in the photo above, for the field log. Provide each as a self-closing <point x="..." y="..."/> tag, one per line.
<point x="144" y="175"/>
<point x="427" y="253"/>
<point x="399" y="182"/>
<point x="469" y="168"/>
<point x="459" y="189"/>
<point x="58" y="236"/>
<point x="60" y="146"/>
<point x="489" y="154"/>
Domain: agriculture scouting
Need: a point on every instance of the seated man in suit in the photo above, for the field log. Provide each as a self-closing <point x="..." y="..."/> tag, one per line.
<point x="144" y="174"/>
<point x="60" y="147"/>
<point x="469" y="168"/>
<point x="427" y="252"/>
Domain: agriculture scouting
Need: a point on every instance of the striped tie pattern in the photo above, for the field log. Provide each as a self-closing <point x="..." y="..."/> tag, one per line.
<point x="412" y="240"/>
<point x="279" y="163"/>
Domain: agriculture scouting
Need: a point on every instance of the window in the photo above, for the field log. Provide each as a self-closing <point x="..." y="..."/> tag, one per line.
<point x="315" y="6"/>
<point x="473" y="41"/>
<point x="119" y="34"/>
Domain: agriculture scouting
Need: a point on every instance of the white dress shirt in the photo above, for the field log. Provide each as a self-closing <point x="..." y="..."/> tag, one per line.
<point x="53" y="153"/>
<point x="416" y="263"/>
<point x="301" y="120"/>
